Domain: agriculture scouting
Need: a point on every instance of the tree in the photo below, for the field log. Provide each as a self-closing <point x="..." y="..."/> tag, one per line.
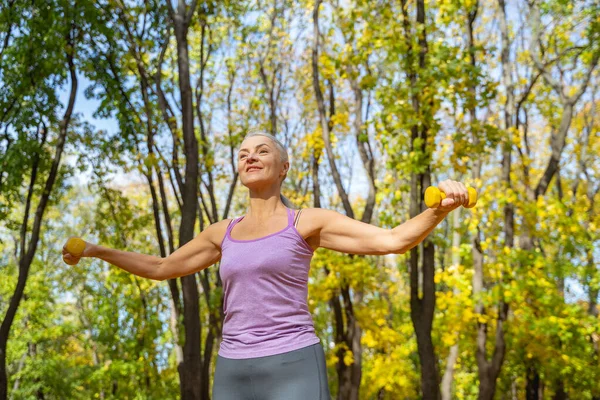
<point x="348" y="331"/>
<point x="46" y="122"/>
<point x="568" y="98"/>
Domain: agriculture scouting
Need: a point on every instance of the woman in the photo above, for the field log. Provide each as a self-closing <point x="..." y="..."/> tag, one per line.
<point x="269" y="349"/>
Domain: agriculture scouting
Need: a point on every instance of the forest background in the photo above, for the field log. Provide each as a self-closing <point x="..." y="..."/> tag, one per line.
<point x="119" y="123"/>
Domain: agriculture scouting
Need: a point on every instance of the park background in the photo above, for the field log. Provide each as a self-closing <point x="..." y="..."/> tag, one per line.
<point x="119" y="123"/>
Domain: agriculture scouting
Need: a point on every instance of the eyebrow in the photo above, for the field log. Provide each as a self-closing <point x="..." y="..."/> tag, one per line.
<point x="262" y="144"/>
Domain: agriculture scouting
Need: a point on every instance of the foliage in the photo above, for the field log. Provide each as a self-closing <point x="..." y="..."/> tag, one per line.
<point x="93" y="331"/>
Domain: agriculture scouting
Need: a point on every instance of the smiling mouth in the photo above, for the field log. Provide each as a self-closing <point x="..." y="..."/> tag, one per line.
<point x="253" y="169"/>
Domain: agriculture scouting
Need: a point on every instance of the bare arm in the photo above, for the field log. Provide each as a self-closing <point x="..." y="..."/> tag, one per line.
<point x="336" y="231"/>
<point x="196" y="255"/>
<point x="412" y="232"/>
<point x="138" y="264"/>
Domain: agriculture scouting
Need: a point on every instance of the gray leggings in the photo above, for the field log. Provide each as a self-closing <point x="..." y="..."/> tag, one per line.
<point x="296" y="375"/>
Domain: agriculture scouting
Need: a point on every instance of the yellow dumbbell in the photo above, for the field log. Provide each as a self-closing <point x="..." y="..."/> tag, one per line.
<point x="434" y="196"/>
<point x="75" y="247"/>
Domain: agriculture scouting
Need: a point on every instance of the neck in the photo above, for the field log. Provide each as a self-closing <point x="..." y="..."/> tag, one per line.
<point x="265" y="204"/>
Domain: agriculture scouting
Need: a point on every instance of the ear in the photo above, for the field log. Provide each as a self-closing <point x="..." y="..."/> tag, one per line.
<point x="286" y="168"/>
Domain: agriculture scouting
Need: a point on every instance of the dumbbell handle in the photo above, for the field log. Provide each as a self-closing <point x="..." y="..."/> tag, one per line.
<point x="434" y="196"/>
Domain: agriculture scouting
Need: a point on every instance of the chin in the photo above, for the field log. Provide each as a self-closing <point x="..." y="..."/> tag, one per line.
<point x="252" y="182"/>
<point x="256" y="183"/>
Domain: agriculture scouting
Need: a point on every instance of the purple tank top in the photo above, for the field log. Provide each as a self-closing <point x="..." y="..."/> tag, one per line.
<point x="265" y="284"/>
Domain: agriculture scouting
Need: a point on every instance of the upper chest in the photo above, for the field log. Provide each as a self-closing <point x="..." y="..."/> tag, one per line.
<point x="246" y="230"/>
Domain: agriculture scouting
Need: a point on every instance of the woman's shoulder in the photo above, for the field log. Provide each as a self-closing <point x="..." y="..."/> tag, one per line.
<point x="317" y="212"/>
<point x="314" y="218"/>
<point x="215" y="232"/>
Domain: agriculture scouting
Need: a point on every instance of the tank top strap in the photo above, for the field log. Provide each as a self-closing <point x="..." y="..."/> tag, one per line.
<point x="232" y="224"/>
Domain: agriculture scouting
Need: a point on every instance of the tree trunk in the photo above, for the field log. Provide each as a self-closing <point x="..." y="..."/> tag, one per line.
<point x="448" y="377"/>
<point x="189" y="370"/>
<point x="26" y="257"/>
<point x="348" y="333"/>
<point x="489" y="369"/>
<point x="557" y="140"/>
<point x="422" y="308"/>
<point x="422" y="284"/>
<point x="560" y="393"/>
<point x="532" y="389"/>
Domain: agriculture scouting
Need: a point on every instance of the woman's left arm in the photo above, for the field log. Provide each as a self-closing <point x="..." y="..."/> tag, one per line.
<point x="338" y="232"/>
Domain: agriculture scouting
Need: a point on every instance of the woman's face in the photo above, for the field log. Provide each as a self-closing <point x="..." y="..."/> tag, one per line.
<point x="259" y="163"/>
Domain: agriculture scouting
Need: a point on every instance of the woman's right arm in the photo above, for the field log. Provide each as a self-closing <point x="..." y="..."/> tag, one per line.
<point x="199" y="253"/>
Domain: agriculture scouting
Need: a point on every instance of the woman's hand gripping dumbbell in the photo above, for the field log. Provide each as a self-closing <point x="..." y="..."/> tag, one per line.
<point x="73" y="250"/>
<point x="450" y="195"/>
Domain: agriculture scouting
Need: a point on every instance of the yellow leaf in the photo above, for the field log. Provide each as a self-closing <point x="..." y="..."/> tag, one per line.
<point x="349" y="358"/>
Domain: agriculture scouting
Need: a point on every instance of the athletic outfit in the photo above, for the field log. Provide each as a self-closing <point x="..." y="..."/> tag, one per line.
<point x="269" y="349"/>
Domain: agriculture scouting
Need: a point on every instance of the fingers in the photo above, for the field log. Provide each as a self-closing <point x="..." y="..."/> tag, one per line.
<point x="69" y="259"/>
<point x="456" y="191"/>
<point x="464" y="193"/>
